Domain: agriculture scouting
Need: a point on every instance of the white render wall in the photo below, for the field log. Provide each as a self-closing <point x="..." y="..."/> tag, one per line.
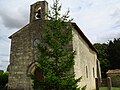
<point x="85" y="61"/>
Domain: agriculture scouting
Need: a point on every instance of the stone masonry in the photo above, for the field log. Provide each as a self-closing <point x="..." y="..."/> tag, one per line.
<point x="23" y="52"/>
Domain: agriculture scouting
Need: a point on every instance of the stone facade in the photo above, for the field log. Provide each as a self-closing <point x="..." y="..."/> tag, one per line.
<point x="23" y="54"/>
<point x="85" y="62"/>
<point x="23" y="57"/>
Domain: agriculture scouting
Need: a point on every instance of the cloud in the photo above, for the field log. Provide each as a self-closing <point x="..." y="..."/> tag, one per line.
<point x="4" y="61"/>
<point x="12" y="19"/>
<point x="14" y="14"/>
<point x="4" y="48"/>
<point x="11" y="22"/>
<point x="116" y="16"/>
<point x="98" y="19"/>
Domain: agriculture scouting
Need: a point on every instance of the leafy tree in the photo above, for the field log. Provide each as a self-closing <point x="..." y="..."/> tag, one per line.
<point x="108" y="54"/>
<point x="56" y="59"/>
<point x="113" y="53"/>
<point x="3" y="79"/>
<point x="102" y="56"/>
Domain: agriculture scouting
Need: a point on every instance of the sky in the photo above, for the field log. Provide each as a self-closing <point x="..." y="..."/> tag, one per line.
<point x="98" y="19"/>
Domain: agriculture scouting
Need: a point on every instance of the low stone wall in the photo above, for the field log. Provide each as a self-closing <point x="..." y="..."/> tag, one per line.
<point x="115" y="78"/>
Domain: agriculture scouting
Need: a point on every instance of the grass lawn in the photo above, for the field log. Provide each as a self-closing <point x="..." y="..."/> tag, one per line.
<point x="113" y="88"/>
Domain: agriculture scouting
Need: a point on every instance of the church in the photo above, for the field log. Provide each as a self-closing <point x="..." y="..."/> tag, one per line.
<point x="23" y="54"/>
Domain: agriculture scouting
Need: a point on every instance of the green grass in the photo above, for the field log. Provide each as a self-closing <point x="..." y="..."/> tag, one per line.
<point x="113" y="88"/>
<point x="103" y="88"/>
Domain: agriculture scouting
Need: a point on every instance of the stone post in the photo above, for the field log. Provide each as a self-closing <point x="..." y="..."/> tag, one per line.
<point x="109" y="83"/>
<point x="97" y="83"/>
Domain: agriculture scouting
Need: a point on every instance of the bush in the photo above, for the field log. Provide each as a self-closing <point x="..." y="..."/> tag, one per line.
<point x="3" y="79"/>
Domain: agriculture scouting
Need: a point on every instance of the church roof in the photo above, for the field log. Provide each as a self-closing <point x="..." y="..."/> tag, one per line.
<point x="10" y="37"/>
<point x="75" y="27"/>
<point x="84" y="37"/>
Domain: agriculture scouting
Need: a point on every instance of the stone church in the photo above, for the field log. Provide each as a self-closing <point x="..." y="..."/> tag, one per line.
<point x="23" y="57"/>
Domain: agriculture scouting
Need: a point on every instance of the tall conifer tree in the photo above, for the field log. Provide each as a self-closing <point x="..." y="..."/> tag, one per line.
<point x="56" y="58"/>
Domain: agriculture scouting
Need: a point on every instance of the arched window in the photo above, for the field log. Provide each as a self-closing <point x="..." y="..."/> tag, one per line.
<point x="86" y="72"/>
<point x="93" y="72"/>
<point x="33" y="70"/>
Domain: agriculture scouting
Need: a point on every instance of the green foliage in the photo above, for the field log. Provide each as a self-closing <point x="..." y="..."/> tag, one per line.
<point x="102" y="56"/>
<point x="108" y="54"/>
<point x="3" y="79"/>
<point x="1" y="72"/>
<point x="113" y="53"/>
<point x="56" y="60"/>
<point x="54" y="13"/>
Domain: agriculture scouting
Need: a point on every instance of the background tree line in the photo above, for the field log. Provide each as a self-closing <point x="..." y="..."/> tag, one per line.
<point x="109" y="55"/>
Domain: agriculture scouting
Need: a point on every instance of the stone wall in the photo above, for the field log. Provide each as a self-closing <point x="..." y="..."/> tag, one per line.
<point x="115" y="78"/>
<point x="85" y="62"/>
<point x="22" y="54"/>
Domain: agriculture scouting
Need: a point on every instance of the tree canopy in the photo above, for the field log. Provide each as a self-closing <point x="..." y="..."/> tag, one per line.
<point x="108" y="54"/>
<point x="102" y="56"/>
<point x="113" y="53"/>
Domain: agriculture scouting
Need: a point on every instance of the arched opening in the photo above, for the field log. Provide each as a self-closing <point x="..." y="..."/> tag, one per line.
<point x="93" y="72"/>
<point x="34" y="70"/>
<point x="86" y="72"/>
<point x="31" y="68"/>
<point x="38" y="13"/>
<point x="38" y="74"/>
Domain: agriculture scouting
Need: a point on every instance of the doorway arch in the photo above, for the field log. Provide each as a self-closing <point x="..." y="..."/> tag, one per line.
<point x="33" y="69"/>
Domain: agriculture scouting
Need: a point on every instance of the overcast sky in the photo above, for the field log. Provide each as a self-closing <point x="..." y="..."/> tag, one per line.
<point x="98" y="19"/>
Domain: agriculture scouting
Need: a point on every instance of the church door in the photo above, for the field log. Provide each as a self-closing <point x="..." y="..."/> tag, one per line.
<point x="39" y="74"/>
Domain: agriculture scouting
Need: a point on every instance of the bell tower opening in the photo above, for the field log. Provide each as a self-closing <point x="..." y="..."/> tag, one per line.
<point x="38" y="11"/>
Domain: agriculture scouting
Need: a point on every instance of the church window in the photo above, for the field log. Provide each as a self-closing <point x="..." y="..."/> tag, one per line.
<point x="36" y="42"/>
<point x="86" y="72"/>
<point x="93" y="72"/>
